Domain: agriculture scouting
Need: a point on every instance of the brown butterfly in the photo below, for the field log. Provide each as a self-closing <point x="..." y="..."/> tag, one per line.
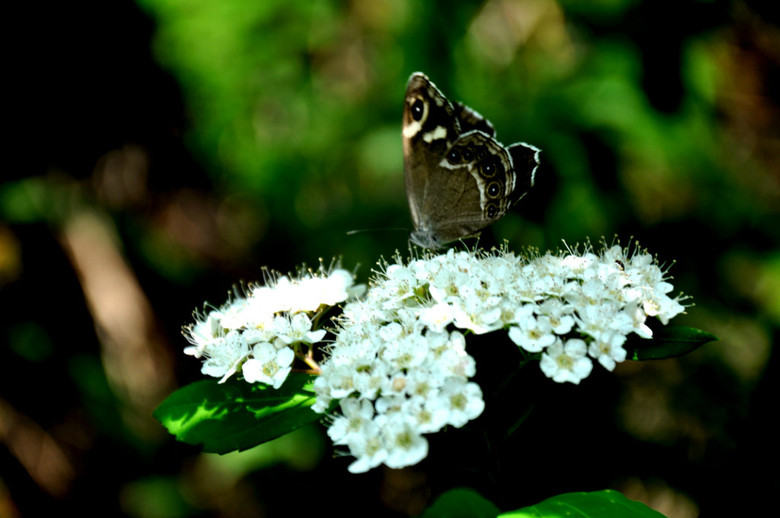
<point x="459" y="178"/>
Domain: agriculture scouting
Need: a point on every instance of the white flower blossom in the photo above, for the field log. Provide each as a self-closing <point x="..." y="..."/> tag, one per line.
<point x="204" y="333"/>
<point x="428" y="415"/>
<point x="567" y="362"/>
<point x="368" y="448"/>
<point x="223" y="356"/>
<point x="268" y="364"/>
<point x="438" y="316"/>
<point x="533" y="334"/>
<point x="296" y="329"/>
<point x="356" y="415"/>
<point x="463" y="400"/>
<point x="404" y="441"/>
<point x="608" y="350"/>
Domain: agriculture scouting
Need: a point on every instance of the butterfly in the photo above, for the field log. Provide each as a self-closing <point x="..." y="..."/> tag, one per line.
<point x="459" y="178"/>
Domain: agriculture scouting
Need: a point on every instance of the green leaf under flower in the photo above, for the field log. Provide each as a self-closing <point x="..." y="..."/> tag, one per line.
<point x="461" y="502"/>
<point x="667" y="342"/>
<point x="236" y="415"/>
<point x="467" y="503"/>
<point x="598" y="504"/>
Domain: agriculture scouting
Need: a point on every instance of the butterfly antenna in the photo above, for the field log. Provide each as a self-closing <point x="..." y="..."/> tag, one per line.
<point x="377" y="229"/>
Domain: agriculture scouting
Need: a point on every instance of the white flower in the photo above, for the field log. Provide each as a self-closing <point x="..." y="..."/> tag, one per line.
<point x="517" y="313"/>
<point x="391" y="331"/>
<point x="533" y="334"/>
<point x="406" y="352"/>
<point x="450" y="358"/>
<point x="258" y="317"/>
<point x="579" y="264"/>
<point x="296" y="329"/>
<point x="400" y="284"/>
<point x="268" y="364"/>
<point x="558" y="315"/>
<point x="566" y="362"/>
<point x="204" y="333"/>
<point x="596" y="318"/>
<point x="634" y="317"/>
<point x="368" y="448"/>
<point x="223" y="356"/>
<point x="309" y="293"/>
<point x="445" y="285"/>
<point x="662" y="307"/>
<point x="403" y="440"/>
<point x="324" y="398"/>
<point x="478" y="319"/>
<point x="235" y="314"/>
<point x="463" y="401"/>
<point x="422" y="383"/>
<point x="357" y="416"/>
<point x="608" y="350"/>
<point x="339" y="381"/>
<point x="331" y="290"/>
<point x="438" y="316"/>
<point x="428" y="414"/>
<point x="369" y="379"/>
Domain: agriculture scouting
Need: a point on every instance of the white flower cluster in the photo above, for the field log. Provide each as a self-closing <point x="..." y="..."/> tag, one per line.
<point x="262" y="332"/>
<point x="399" y="368"/>
<point x="396" y="380"/>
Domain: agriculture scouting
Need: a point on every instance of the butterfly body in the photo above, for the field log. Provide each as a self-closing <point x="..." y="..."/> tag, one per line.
<point x="459" y="178"/>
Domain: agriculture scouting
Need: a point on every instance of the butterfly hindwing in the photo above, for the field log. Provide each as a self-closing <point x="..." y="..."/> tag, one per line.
<point x="525" y="159"/>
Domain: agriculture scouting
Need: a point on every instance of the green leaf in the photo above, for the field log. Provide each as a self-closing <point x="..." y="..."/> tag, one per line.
<point x="599" y="504"/>
<point x="461" y="503"/>
<point x="237" y="415"/>
<point x="667" y="342"/>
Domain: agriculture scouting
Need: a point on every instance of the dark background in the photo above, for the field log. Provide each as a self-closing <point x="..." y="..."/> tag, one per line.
<point x="161" y="151"/>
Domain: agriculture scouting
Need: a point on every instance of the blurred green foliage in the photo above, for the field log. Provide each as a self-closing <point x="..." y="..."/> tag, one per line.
<point x="206" y="139"/>
<point x="296" y="106"/>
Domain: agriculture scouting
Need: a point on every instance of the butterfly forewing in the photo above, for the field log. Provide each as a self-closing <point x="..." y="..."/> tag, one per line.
<point x="471" y="120"/>
<point x="429" y="126"/>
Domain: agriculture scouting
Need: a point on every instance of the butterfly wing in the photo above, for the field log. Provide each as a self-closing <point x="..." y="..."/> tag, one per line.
<point x="475" y="186"/>
<point x="470" y="119"/>
<point x="525" y="160"/>
<point x="429" y="128"/>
